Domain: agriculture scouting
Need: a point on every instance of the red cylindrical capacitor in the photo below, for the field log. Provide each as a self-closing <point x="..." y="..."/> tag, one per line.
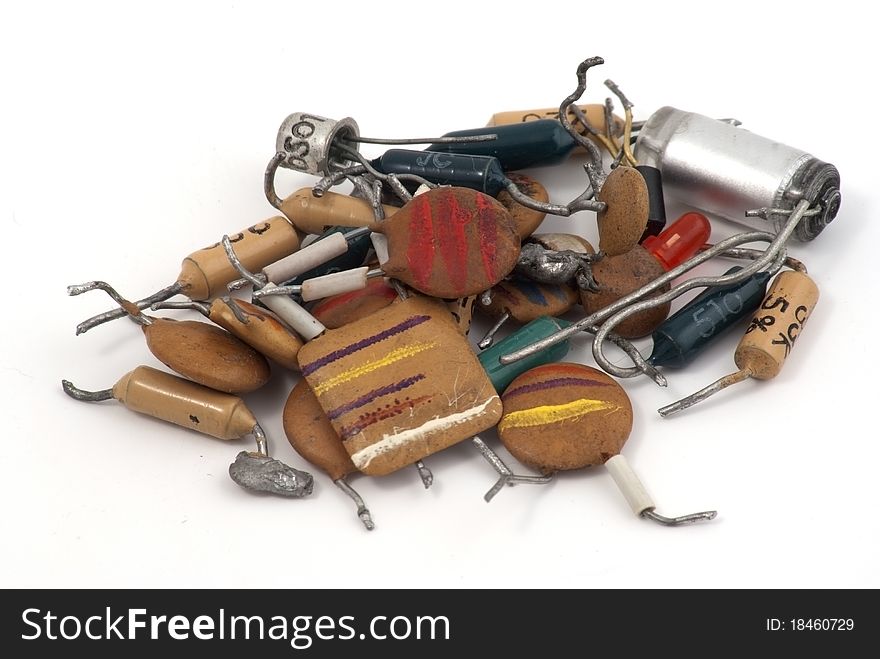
<point x="680" y="240"/>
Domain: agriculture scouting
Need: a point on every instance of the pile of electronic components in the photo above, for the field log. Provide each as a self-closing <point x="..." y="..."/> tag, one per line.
<point x="374" y="309"/>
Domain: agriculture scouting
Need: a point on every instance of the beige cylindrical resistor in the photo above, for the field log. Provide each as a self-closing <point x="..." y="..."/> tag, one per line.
<point x="204" y="274"/>
<point x="181" y="402"/>
<point x="312" y="214"/>
<point x="776" y="325"/>
<point x="190" y="405"/>
<point x="595" y="114"/>
<point x="769" y="338"/>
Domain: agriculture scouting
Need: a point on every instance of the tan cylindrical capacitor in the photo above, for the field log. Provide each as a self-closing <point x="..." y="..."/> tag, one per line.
<point x="312" y="214"/>
<point x="776" y="325"/>
<point x="184" y="403"/>
<point x="769" y="338"/>
<point x="205" y="273"/>
<point x="595" y="115"/>
<point x="263" y="331"/>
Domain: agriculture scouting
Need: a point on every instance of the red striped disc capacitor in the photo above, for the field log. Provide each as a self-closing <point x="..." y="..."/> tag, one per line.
<point x="450" y="243"/>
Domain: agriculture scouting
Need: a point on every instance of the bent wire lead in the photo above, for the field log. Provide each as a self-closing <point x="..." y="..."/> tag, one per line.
<point x="775" y="251"/>
<point x="205" y="273"/>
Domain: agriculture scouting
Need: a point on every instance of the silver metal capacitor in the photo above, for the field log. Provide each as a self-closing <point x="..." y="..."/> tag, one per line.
<point x="721" y="168"/>
<point x="308" y="141"/>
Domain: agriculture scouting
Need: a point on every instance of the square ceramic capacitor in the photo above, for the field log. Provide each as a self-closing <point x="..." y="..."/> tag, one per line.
<point x="400" y="384"/>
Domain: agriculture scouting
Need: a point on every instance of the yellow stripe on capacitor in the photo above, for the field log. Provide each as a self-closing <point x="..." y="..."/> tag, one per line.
<point x="770" y="336"/>
<point x="563" y="416"/>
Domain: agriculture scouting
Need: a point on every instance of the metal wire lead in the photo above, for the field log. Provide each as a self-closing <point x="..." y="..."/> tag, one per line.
<point x="113" y="314"/>
<point x="362" y="511"/>
<point x="606" y="314"/>
<point x="771" y="261"/>
<point x="679" y="521"/>
<point x="83" y="395"/>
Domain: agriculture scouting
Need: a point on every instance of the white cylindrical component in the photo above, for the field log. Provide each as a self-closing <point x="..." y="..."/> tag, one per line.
<point x="629" y="484"/>
<point x="307" y="258"/>
<point x="300" y="320"/>
<point x="380" y="246"/>
<point x="334" y="283"/>
<point x="422" y="189"/>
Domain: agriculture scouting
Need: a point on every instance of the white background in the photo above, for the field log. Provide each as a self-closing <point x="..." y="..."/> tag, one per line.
<point x="132" y="136"/>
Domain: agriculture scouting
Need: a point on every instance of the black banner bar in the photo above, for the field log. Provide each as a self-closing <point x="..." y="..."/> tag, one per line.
<point x="315" y="623"/>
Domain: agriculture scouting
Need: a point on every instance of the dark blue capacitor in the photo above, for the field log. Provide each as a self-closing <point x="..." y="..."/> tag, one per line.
<point x="353" y="258"/>
<point x="690" y="329"/>
<point x="481" y="173"/>
<point x="517" y="146"/>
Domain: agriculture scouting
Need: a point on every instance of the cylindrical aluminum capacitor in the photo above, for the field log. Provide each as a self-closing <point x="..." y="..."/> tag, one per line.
<point x="723" y="169"/>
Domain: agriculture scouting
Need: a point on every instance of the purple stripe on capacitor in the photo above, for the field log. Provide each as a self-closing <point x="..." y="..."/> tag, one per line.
<point x="364" y="343"/>
<point x="368" y="398"/>
<point x="551" y="384"/>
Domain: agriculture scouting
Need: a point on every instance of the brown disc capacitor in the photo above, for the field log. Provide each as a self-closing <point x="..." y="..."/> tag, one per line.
<point x="618" y="276"/>
<point x="625" y="217"/>
<point x="338" y="310"/>
<point x="206" y="354"/>
<point x="559" y="417"/>
<point x="564" y="416"/>
<point x="525" y="219"/>
<point x="524" y="300"/>
<point x="201" y="352"/>
<point x="256" y="326"/>
<point x="450" y="242"/>
<point x="311" y="434"/>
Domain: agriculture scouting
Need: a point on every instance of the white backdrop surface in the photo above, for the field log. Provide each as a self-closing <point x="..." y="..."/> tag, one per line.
<point x="132" y="135"/>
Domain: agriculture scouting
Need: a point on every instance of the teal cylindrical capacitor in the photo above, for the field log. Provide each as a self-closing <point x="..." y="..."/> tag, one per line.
<point x="481" y="173"/>
<point x="502" y="375"/>
<point x="517" y="146"/>
<point x="353" y="258"/>
<point x="690" y="329"/>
